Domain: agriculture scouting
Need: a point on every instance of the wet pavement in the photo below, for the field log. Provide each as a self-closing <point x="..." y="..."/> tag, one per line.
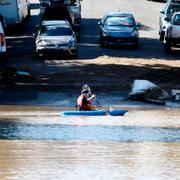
<point x="59" y="98"/>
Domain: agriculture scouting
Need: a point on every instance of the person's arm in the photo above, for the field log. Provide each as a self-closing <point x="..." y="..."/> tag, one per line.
<point x="93" y="96"/>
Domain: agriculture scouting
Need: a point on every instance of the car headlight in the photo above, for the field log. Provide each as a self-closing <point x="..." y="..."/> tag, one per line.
<point x="72" y="43"/>
<point x="42" y="43"/>
<point x="135" y="33"/>
<point x="104" y="33"/>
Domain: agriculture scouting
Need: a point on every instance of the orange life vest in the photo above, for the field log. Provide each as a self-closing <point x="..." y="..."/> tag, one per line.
<point x="84" y="103"/>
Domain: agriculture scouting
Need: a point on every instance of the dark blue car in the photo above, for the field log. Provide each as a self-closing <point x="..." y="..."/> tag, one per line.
<point x="117" y="28"/>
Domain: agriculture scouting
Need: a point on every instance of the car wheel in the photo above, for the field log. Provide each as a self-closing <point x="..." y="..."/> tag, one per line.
<point x="161" y="37"/>
<point x="78" y="37"/>
<point x="37" y="55"/>
<point x="28" y="15"/>
<point x="102" y="44"/>
<point x="136" y="46"/>
<point x="3" y="60"/>
<point x="29" y="12"/>
<point x="74" y="56"/>
<point x="167" y="47"/>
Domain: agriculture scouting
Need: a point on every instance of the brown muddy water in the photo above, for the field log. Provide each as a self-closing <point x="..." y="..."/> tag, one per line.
<point x="39" y="144"/>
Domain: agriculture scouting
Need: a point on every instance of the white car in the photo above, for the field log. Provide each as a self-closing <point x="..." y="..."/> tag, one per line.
<point x="169" y="8"/>
<point x="172" y="34"/>
<point x="3" y="54"/>
<point x="56" y="37"/>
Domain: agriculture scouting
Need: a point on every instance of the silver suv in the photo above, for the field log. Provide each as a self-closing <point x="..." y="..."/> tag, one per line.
<point x="3" y="54"/>
<point x="172" y="34"/>
<point x="169" y="8"/>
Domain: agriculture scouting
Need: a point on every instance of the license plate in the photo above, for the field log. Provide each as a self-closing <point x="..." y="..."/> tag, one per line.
<point x="119" y="40"/>
<point x="62" y="46"/>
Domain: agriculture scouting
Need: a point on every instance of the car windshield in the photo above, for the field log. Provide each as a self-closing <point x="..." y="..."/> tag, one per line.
<point x="172" y="8"/>
<point x="177" y="19"/>
<point x="55" y="31"/>
<point x="120" y="21"/>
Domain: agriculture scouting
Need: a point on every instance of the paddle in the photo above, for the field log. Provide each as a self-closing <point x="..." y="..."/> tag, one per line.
<point x="97" y="102"/>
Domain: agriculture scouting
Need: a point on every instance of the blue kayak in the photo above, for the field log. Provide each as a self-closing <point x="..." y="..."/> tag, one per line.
<point x="86" y="113"/>
<point x="117" y="112"/>
<point x="96" y="113"/>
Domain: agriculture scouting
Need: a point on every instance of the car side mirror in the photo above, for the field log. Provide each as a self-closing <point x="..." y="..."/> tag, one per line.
<point x="138" y="24"/>
<point x="99" y="23"/>
<point x="161" y="11"/>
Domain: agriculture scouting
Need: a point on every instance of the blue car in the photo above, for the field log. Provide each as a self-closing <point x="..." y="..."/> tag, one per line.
<point x="117" y="28"/>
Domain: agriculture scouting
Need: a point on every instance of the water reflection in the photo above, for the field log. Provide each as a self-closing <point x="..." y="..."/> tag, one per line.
<point x="22" y="130"/>
<point x="27" y="160"/>
<point x="42" y="145"/>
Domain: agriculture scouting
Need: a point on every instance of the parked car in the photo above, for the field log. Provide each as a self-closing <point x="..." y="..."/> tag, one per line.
<point x="3" y="53"/>
<point x="14" y="11"/>
<point x="172" y="34"/>
<point x="74" y="7"/>
<point x="47" y="3"/>
<point x="169" y="8"/>
<point x="56" y="38"/>
<point x="117" y="28"/>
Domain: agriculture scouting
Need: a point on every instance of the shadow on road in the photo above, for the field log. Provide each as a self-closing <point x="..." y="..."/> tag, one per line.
<point x="64" y="72"/>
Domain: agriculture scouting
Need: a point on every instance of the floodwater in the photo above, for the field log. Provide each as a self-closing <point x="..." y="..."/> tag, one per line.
<point x="40" y="143"/>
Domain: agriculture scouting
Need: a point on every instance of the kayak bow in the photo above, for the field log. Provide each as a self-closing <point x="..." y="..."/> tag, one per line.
<point x="117" y="112"/>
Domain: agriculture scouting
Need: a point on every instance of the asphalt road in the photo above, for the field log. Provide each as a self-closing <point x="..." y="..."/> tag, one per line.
<point x="21" y="42"/>
<point x="21" y="45"/>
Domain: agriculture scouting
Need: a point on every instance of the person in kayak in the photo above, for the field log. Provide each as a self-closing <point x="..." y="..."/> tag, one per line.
<point x="84" y="101"/>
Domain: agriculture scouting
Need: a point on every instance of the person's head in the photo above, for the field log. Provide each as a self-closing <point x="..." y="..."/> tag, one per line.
<point x="86" y="87"/>
<point x="85" y="92"/>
